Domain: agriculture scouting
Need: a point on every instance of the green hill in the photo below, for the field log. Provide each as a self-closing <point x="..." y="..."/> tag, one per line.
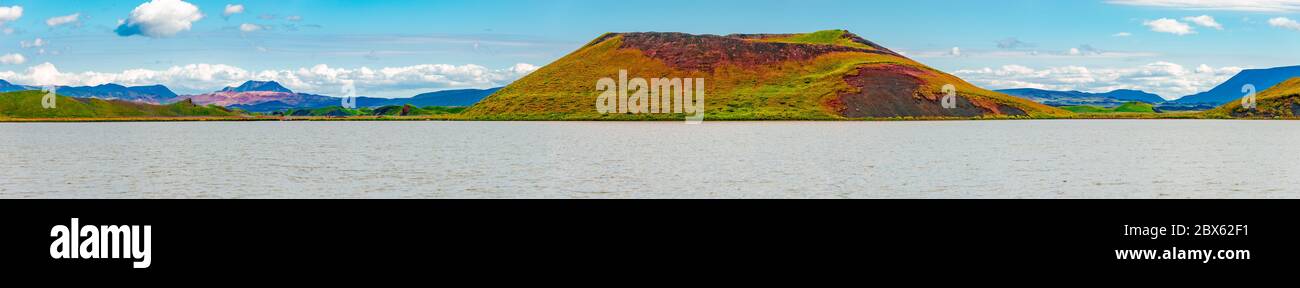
<point x="27" y="104"/>
<point x="825" y="75"/>
<point x="394" y="110"/>
<point x="412" y="110"/>
<point x="1130" y="107"/>
<point x="1281" y="100"/>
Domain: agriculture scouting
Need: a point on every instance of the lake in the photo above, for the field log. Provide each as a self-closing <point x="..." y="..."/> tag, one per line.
<point x="934" y="159"/>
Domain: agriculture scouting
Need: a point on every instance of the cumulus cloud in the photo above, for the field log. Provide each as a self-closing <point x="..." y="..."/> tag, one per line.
<point x="160" y="19"/>
<point x="65" y="19"/>
<point x="1284" y="23"/>
<point x="1204" y="21"/>
<point x="1171" y="26"/>
<point x="1084" y="50"/>
<point x="1223" y="5"/>
<point x="250" y="27"/>
<point x="1169" y="80"/>
<point x="232" y="9"/>
<point x="1204" y="69"/>
<point x="12" y="59"/>
<point x="10" y="13"/>
<point x="318" y="79"/>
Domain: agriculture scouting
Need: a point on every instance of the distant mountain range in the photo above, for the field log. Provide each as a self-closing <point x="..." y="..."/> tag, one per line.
<point x="255" y="96"/>
<point x="154" y="94"/>
<point x="1231" y="90"/>
<point x="1075" y="98"/>
<point x="258" y="86"/>
<point x="1228" y="91"/>
<point x="462" y="97"/>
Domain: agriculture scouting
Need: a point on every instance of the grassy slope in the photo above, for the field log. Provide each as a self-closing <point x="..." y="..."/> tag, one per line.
<point x="27" y="104"/>
<point x="1130" y="107"/>
<point x="565" y="89"/>
<point x="827" y="37"/>
<point x="411" y="110"/>
<point x="1274" y="102"/>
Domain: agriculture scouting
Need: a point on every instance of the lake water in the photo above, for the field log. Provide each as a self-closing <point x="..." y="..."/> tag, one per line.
<point x="956" y="159"/>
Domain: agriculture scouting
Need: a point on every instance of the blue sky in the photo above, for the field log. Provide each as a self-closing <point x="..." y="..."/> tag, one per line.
<point x="399" y="48"/>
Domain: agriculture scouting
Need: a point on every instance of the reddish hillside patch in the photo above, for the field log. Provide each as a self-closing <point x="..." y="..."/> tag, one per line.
<point x="896" y="90"/>
<point x="706" y="52"/>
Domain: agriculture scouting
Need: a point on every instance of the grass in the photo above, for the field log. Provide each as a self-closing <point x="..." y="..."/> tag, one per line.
<point x="406" y="110"/>
<point x="27" y="104"/>
<point x="1278" y="102"/>
<point x="1130" y="107"/>
<point x="824" y="37"/>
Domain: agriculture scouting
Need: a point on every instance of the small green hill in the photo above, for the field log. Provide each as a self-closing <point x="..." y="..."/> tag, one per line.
<point x="393" y="110"/>
<point x="27" y="104"/>
<point x="412" y="110"/>
<point x="1130" y="107"/>
<point x="332" y="111"/>
<point x="1280" y="101"/>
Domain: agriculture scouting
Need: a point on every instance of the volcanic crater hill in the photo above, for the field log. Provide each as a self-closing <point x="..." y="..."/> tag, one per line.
<point x="1279" y="101"/>
<point x="824" y="75"/>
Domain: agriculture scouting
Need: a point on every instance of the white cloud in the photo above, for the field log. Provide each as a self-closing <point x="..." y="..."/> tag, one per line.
<point x="60" y="20"/>
<point x="249" y="27"/>
<point x="10" y="13"/>
<point x="160" y="19"/>
<point x="232" y="9"/>
<point x="1171" y="26"/>
<point x="1221" y="5"/>
<point x="1204" y="69"/>
<point x="293" y="18"/>
<point x="319" y="79"/>
<point x="13" y="59"/>
<point x="1122" y="34"/>
<point x="1284" y="23"/>
<point x="1204" y="21"/>
<point x="1166" y="79"/>
<point x="1085" y="50"/>
<point x="38" y="42"/>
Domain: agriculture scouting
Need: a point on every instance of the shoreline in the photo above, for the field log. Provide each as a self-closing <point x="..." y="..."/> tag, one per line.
<point x="542" y="119"/>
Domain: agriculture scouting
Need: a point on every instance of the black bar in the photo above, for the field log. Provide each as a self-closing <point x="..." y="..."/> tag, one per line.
<point x="290" y="238"/>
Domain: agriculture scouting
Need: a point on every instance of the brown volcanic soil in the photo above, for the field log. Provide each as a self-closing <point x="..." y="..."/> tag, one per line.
<point x="706" y="52"/>
<point x="894" y="90"/>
